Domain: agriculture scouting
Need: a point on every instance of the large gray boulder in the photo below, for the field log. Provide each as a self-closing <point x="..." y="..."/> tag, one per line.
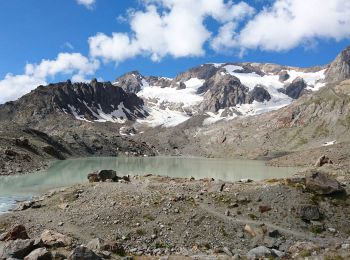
<point x="16" y="248"/>
<point x="321" y="183"/>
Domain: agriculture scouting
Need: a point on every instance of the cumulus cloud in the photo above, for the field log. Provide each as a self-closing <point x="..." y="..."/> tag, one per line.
<point x="288" y="24"/>
<point x="74" y="64"/>
<point x="178" y="28"/>
<point x="87" y="3"/>
<point x="167" y="27"/>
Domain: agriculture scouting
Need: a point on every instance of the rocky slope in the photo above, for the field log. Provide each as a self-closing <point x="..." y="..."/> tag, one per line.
<point x="154" y="216"/>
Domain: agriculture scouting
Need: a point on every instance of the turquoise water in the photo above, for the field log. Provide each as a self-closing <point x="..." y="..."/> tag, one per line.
<point x="69" y="172"/>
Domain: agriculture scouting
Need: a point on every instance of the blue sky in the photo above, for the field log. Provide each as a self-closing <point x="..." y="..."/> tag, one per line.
<point x="33" y="30"/>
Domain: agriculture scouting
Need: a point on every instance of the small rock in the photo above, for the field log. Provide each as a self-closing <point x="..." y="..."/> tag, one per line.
<point x="274" y="233"/>
<point x="264" y="208"/>
<point x="245" y="180"/>
<point x="322" y="161"/>
<point x="309" y="212"/>
<point x="250" y="230"/>
<point x="227" y="213"/>
<point x="259" y="252"/>
<point x="82" y="252"/>
<point x="332" y="230"/>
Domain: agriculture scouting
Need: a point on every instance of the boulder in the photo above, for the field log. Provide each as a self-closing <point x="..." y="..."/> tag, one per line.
<point x="83" y="253"/>
<point x="39" y="254"/>
<point x="321" y="183"/>
<point x="322" y="161"/>
<point x="264" y="208"/>
<point x="96" y="244"/>
<point x="93" y="177"/>
<point x="55" y="239"/>
<point x="26" y="205"/>
<point x="309" y="212"/>
<point x="16" y="248"/>
<point x="99" y="244"/>
<point x="10" y="153"/>
<point x="103" y="175"/>
<point x="260" y="252"/>
<point x="22" y="141"/>
<point x="15" y="232"/>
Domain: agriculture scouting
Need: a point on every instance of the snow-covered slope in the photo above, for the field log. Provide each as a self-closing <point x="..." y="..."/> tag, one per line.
<point x="170" y="102"/>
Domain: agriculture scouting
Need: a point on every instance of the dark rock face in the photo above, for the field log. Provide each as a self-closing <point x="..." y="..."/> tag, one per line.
<point x="130" y="82"/>
<point x="223" y="91"/>
<point x="295" y="89"/>
<point x="339" y="69"/>
<point x="259" y="94"/>
<point x="205" y="71"/>
<point x="321" y="183"/>
<point x="283" y="76"/>
<point x="86" y="101"/>
<point x="159" y="81"/>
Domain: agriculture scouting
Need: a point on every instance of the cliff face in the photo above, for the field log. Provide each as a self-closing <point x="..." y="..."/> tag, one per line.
<point x="339" y="69"/>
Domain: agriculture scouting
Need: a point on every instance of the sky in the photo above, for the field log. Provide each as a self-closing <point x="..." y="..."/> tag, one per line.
<point x="44" y="41"/>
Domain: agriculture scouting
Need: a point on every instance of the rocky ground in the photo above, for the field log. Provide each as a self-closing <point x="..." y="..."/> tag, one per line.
<point x="154" y="216"/>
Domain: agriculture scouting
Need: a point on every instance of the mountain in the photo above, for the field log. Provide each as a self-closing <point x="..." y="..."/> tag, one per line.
<point x="95" y="101"/>
<point x="220" y="91"/>
<point x="249" y="110"/>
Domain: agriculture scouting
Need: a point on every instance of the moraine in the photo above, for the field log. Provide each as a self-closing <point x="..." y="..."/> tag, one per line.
<point x="74" y="171"/>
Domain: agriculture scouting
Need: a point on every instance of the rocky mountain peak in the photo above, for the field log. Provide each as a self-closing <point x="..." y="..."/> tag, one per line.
<point x="130" y="82"/>
<point x="94" y="101"/>
<point x="339" y="69"/>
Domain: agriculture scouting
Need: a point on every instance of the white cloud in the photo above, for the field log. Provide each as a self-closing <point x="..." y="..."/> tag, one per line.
<point x="167" y="27"/>
<point x="15" y="86"/>
<point x="177" y="28"/>
<point x="74" y="64"/>
<point x="87" y="3"/>
<point x="288" y="24"/>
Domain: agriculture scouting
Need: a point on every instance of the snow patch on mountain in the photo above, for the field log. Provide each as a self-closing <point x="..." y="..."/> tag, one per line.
<point x="160" y="102"/>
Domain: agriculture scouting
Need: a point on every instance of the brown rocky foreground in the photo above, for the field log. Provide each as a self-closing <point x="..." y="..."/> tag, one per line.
<point x="154" y="217"/>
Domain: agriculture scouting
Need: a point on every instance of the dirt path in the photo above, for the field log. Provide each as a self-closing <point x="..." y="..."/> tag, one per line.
<point x="214" y="212"/>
